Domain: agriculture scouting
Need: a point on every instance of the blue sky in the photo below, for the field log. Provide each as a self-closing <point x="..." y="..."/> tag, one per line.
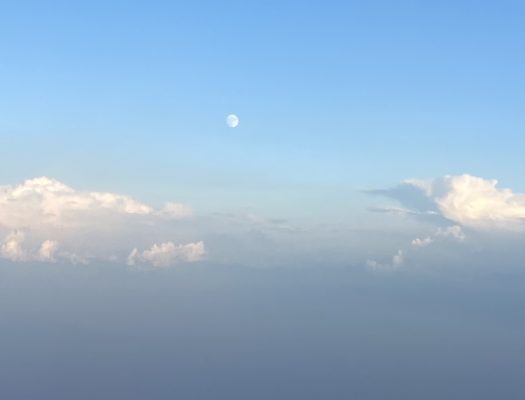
<point x="129" y="96"/>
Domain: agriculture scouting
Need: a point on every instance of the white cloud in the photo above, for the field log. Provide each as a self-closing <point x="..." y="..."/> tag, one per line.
<point x="477" y="202"/>
<point x="16" y="248"/>
<point x="45" y="201"/>
<point x="441" y="234"/>
<point x="11" y="247"/>
<point x="422" y="242"/>
<point x="47" y="251"/>
<point x="453" y="232"/>
<point x="467" y="200"/>
<point x="396" y="261"/>
<point x="167" y="254"/>
<point x="40" y="213"/>
<point x="398" y="258"/>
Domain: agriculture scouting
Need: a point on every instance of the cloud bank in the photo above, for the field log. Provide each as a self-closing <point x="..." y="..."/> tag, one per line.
<point x="45" y="220"/>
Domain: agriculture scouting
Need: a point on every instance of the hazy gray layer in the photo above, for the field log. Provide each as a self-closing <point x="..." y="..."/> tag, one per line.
<point x="210" y="332"/>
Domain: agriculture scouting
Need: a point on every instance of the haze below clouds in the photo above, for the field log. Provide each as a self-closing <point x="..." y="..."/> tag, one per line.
<point x="235" y="333"/>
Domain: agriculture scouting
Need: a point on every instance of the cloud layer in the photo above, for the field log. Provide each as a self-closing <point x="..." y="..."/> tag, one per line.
<point x="44" y="220"/>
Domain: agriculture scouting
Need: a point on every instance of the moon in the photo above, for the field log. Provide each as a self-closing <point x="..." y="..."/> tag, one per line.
<point x="232" y="120"/>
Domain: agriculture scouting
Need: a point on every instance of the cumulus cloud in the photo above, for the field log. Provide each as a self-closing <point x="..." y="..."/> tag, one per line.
<point x="395" y="262"/>
<point x="422" y="242"/>
<point x="45" y="220"/>
<point x="167" y="254"/>
<point x="47" y="251"/>
<point x="454" y="233"/>
<point x="14" y="247"/>
<point x="467" y="200"/>
<point x="45" y="201"/>
<point x="398" y="258"/>
<point x="11" y="247"/>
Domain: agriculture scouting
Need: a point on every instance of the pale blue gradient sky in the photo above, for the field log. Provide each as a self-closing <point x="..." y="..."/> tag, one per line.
<point x="333" y="98"/>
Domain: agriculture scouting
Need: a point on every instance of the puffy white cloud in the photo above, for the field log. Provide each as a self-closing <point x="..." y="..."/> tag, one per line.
<point x="422" y="242"/>
<point x="395" y="262"/>
<point x="45" y="201"/>
<point x="477" y="202"/>
<point x="47" y="251"/>
<point x="15" y="248"/>
<point x="167" y="254"/>
<point x="398" y="258"/>
<point x="454" y="232"/>
<point x="467" y="200"/>
<point x="11" y="247"/>
<point x="441" y="235"/>
<point x="40" y="213"/>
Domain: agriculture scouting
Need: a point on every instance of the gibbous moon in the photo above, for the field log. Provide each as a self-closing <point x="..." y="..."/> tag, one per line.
<point x="232" y="120"/>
